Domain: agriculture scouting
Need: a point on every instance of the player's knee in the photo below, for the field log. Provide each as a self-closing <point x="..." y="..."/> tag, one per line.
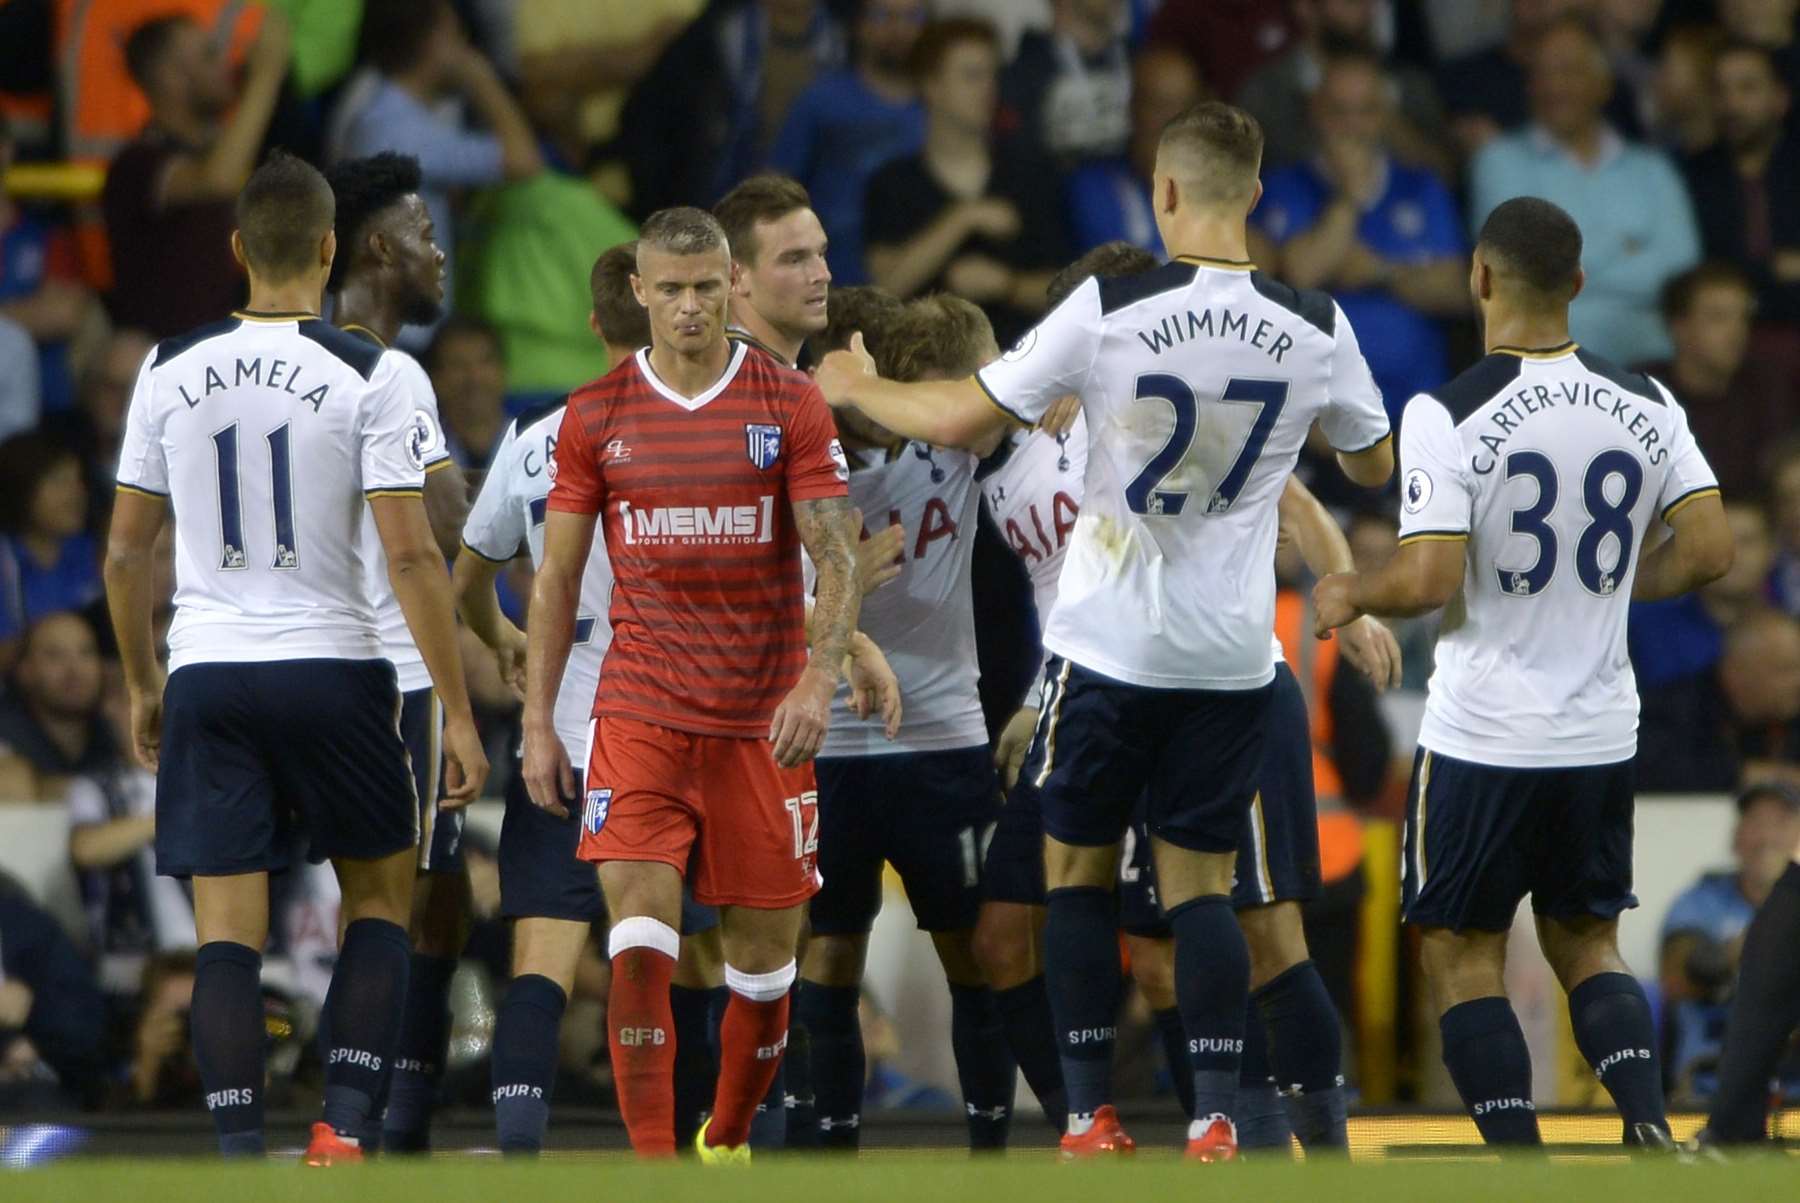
<point x="835" y="960"/>
<point x="1578" y="949"/>
<point x="1005" y="945"/>
<point x="1069" y="866"/>
<point x="1277" y="939"/>
<point x="1462" y="968"/>
<point x="379" y="889"/>
<point x="441" y="914"/>
<point x="702" y="962"/>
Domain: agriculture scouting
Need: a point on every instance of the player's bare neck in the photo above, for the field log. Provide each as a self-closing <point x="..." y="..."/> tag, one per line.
<point x="285" y="296"/>
<point x="690" y="375"/>
<point x="786" y="346"/>
<point x="359" y="303"/>
<point x="1209" y="236"/>
<point x="1532" y="331"/>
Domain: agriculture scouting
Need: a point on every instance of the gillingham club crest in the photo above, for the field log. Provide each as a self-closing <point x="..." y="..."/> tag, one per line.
<point x="593" y="816"/>
<point x="762" y="442"/>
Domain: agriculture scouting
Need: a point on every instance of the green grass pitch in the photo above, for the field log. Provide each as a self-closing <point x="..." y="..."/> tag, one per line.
<point x="910" y="1178"/>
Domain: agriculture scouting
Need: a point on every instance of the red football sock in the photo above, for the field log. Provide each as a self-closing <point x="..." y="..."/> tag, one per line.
<point x="641" y="1034"/>
<point x="752" y="1040"/>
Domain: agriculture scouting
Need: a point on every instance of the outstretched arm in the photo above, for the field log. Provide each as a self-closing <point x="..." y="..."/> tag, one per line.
<point x="1421" y="577"/>
<point x="943" y="413"/>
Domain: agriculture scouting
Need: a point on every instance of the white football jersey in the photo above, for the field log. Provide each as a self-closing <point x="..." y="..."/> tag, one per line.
<point x="924" y="619"/>
<point x="1199" y="381"/>
<point x="434" y="452"/>
<point x="1034" y="497"/>
<point x="1553" y="466"/>
<point x="267" y="433"/>
<point x="509" y="514"/>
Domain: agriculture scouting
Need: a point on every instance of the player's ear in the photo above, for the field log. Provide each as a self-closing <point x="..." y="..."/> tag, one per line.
<point x="237" y="250"/>
<point x="594" y="325"/>
<point x="1256" y="196"/>
<point x="1580" y="283"/>
<point x="328" y="249"/>
<point x="637" y="290"/>
<point x="1171" y="195"/>
<point x="737" y="277"/>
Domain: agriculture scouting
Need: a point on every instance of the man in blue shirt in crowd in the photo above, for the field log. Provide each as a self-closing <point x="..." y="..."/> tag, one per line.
<point x="1702" y="934"/>
<point x="1637" y="225"/>
<point x="850" y="122"/>
<point x="1383" y="238"/>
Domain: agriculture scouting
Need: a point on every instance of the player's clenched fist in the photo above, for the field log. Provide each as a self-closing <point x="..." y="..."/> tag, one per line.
<point x="465" y="763"/>
<point x="798" y="729"/>
<point x="840" y="371"/>
<point x="549" y="778"/>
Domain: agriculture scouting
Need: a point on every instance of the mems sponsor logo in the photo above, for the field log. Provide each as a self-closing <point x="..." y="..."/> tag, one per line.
<point x="697" y="525"/>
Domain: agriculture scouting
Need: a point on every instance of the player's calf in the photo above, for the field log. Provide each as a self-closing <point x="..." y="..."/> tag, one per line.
<point x="527" y="1030"/>
<point x="1007" y="937"/>
<point x="1611" y="1019"/>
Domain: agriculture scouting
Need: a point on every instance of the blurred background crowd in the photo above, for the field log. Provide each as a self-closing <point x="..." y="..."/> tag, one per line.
<point x="968" y="146"/>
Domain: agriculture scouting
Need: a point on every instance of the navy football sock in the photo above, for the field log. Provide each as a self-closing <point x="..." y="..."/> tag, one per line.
<point x="368" y="989"/>
<point x="419" y="1055"/>
<point x="1488" y="1059"/>
<point x="768" y="1127"/>
<point x="1212" y="987"/>
<point x="1262" y="1122"/>
<point x="226" y="1023"/>
<point x="802" y="1108"/>
<point x="1081" y="969"/>
<point x="1306" y="1052"/>
<point x="984" y="1065"/>
<point x="696" y="1058"/>
<point x="526" y="1038"/>
<point x="1616" y="1034"/>
<point x="1031" y="1036"/>
<point x="838" y="1062"/>
<point x="1174" y="1046"/>
<point x="1763" y="1015"/>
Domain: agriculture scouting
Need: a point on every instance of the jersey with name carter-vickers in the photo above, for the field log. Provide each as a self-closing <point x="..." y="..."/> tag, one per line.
<point x="1199" y="381"/>
<point x="267" y="433"/>
<point x="509" y="514"/>
<point x="1552" y="465"/>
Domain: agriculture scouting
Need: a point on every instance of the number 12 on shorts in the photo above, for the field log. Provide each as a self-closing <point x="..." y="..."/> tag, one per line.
<point x="804" y="811"/>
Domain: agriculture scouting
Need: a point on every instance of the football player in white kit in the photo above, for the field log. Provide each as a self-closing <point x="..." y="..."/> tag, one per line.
<point x="268" y="434"/>
<point x="552" y="898"/>
<point x="1035" y="493"/>
<point x="1531" y="482"/>
<point x="922" y="797"/>
<point x="388" y="274"/>
<point x="1199" y="381"/>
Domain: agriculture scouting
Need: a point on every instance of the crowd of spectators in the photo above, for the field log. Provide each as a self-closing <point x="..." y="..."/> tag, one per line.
<point x="967" y="146"/>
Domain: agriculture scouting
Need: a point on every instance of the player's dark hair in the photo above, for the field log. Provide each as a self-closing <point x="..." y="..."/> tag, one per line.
<point x="940" y="337"/>
<point x="623" y="322"/>
<point x="366" y="188"/>
<point x="1534" y="241"/>
<point x="858" y="308"/>
<point x="1108" y="260"/>
<point x="939" y="38"/>
<point x="683" y="230"/>
<point x="145" y="46"/>
<point x="460" y="325"/>
<point x="25" y="460"/>
<point x="282" y="214"/>
<point x="396" y="32"/>
<point x="1679" y="292"/>
<point x="759" y="199"/>
<point x="1221" y="146"/>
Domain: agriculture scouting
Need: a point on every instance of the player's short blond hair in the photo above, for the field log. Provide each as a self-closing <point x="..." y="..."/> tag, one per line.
<point x="682" y="231"/>
<point x="939" y="337"/>
<point x="1214" y="151"/>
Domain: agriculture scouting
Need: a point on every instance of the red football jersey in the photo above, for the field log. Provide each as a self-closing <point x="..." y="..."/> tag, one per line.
<point x="708" y="618"/>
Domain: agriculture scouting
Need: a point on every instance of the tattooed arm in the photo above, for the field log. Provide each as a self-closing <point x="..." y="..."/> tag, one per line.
<point x="800" y="721"/>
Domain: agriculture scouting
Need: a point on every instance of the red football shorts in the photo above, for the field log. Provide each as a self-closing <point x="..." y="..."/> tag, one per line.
<point x="741" y="829"/>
